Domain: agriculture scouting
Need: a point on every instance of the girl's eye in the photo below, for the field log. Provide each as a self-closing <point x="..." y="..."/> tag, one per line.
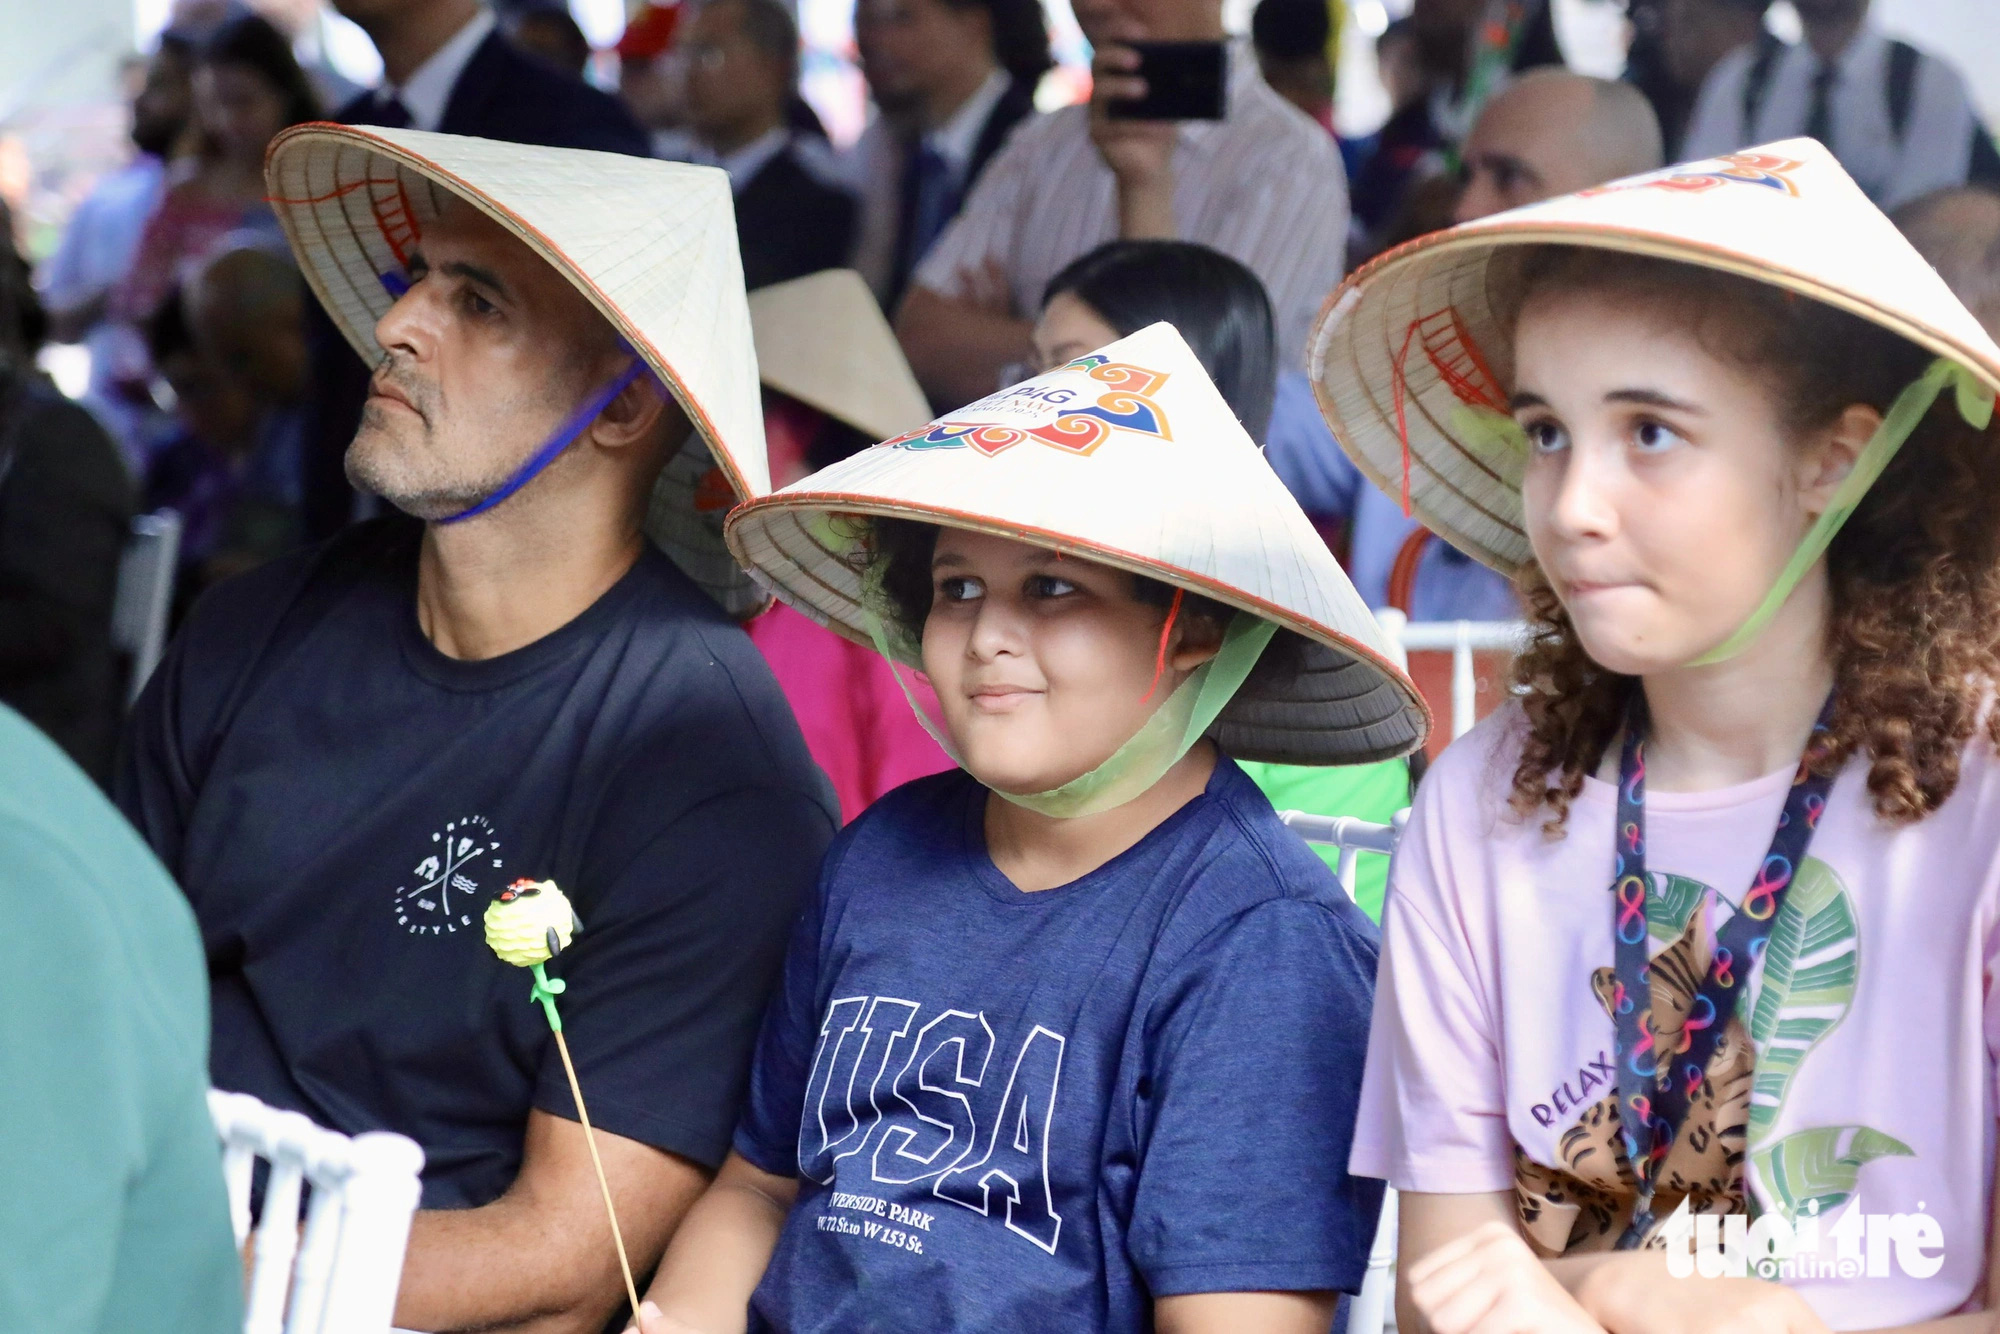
<point x="959" y="588"/>
<point x="1545" y="437"/>
<point x="1049" y="586"/>
<point x="1653" y="437"/>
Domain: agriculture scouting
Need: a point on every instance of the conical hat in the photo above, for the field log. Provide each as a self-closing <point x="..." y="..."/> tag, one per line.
<point x="651" y="244"/>
<point x="1128" y="457"/>
<point x="1414" y="334"/>
<point x="822" y="339"/>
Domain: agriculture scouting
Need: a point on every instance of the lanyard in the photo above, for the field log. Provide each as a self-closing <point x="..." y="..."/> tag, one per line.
<point x="1654" y="1087"/>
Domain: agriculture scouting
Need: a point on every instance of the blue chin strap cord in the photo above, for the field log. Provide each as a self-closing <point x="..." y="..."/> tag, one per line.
<point x="395" y="284"/>
<point x="564" y="437"/>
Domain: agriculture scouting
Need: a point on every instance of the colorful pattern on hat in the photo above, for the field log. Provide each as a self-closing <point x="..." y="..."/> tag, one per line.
<point x="651" y="244"/>
<point x="1409" y="355"/>
<point x="1130" y="458"/>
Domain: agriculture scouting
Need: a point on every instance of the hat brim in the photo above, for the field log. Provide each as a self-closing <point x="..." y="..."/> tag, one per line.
<point x="1363" y="333"/>
<point x="1347" y="705"/>
<point x="352" y="204"/>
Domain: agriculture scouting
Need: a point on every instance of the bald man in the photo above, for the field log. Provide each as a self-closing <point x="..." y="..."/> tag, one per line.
<point x="1551" y="133"/>
<point x="1958" y="231"/>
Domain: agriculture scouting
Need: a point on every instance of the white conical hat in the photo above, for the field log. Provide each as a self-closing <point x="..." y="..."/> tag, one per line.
<point x="1131" y="458"/>
<point x="823" y="340"/>
<point x="651" y="244"/>
<point x="1414" y="333"/>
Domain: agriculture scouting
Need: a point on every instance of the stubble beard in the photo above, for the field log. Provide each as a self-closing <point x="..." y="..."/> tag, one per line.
<point x="387" y="462"/>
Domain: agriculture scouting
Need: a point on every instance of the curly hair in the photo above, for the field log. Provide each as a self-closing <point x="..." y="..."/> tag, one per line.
<point x="1914" y="576"/>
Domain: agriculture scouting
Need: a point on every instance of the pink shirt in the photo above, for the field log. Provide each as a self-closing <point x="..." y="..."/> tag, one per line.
<point x="856" y="721"/>
<point x="1875" y="1050"/>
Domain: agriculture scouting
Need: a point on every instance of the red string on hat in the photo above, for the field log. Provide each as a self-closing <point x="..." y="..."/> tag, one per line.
<point x="1396" y="365"/>
<point x="1160" y="662"/>
<point x="1455" y="357"/>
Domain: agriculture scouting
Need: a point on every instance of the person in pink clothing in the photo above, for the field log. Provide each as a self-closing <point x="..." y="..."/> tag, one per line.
<point x="1703" y="924"/>
<point x="826" y="396"/>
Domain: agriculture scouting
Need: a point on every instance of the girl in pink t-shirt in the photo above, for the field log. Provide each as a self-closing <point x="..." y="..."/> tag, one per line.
<point x="1705" y="922"/>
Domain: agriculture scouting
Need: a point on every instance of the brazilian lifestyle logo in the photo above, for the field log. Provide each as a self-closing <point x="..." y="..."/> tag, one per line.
<point x="444" y="891"/>
<point x="1857" y="1245"/>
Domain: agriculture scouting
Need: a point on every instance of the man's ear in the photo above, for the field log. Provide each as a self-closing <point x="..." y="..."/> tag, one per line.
<point x="1834" y="455"/>
<point x="642" y="410"/>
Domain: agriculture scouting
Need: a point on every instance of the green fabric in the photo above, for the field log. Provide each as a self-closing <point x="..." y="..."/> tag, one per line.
<point x="112" y="1209"/>
<point x="1373" y="792"/>
<point x="1975" y="404"/>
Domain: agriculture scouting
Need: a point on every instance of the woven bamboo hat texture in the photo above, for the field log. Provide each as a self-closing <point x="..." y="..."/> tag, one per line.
<point x="1128" y="457"/>
<point x="822" y="339"/>
<point x="1410" y="348"/>
<point x="652" y="245"/>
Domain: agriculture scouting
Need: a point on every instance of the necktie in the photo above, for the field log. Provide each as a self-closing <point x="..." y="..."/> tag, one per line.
<point x="389" y="111"/>
<point x="936" y="199"/>
<point x="1819" y="118"/>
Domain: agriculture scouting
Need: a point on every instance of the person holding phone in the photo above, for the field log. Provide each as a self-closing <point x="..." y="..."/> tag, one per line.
<point x="1182" y="138"/>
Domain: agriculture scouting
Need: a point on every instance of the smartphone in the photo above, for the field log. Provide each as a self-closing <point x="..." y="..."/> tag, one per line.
<point x="1184" y="81"/>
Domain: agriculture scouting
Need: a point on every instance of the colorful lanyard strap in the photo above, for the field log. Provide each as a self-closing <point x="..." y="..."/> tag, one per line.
<point x="1654" y="1087"/>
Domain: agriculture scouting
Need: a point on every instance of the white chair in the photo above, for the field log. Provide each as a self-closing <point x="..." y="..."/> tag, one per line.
<point x="1374" y="1308"/>
<point x="341" y="1277"/>
<point x="145" y="594"/>
<point x="1461" y="639"/>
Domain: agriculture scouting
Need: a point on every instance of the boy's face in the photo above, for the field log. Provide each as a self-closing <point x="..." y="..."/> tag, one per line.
<point x="1043" y="664"/>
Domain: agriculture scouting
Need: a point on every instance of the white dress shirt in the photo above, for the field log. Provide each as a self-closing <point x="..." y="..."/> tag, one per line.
<point x="427" y="91"/>
<point x="1263" y="185"/>
<point x="743" y="164"/>
<point x="874" y="171"/>
<point x="1933" y="151"/>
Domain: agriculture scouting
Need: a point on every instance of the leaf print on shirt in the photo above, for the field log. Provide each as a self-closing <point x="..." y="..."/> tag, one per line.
<point x="1818" y="1167"/>
<point x="1810" y="969"/>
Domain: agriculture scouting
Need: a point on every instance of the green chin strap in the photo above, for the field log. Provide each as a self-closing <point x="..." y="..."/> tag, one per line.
<point x="1168" y="734"/>
<point x="1975" y="404"/>
<point x="1498" y="439"/>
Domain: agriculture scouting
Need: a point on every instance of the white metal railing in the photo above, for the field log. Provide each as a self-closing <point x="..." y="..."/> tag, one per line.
<point x="1374" y="1307"/>
<point x="341" y="1276"/>
<point x="1461" y="639"/>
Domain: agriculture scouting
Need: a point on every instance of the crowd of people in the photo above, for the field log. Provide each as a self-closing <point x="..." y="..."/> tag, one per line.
<point x="943" y="961"/>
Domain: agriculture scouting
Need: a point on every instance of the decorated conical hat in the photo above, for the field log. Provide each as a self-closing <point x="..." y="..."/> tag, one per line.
<point x="651" y="244"/>
<point x="1411" y="348"/>
<point x="823" y="340"/>
<point x="1131" y="458"/>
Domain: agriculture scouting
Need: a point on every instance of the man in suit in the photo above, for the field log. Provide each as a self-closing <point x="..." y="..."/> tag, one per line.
<point x="950" y="80"/>
<point x="792" y="218"/>
<point x="446" y="67"/>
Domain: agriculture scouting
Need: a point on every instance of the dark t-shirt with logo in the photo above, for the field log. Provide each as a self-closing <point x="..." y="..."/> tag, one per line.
<point x="340" y="801"/>
<point x="1012" y="1111"/>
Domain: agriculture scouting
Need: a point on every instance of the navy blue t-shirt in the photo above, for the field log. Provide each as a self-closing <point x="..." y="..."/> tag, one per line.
<point x="1034" y="1111"/>
<point x="340" y="801"/>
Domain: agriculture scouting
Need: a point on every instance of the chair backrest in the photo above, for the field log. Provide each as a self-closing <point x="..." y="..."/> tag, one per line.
<point x="1479" y="655"/>
<point x="145" y="595"/>
<point x="341" y="1277"/>
<point x="1374" y="1308"/>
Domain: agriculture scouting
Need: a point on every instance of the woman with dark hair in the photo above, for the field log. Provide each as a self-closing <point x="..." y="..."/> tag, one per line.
<point x="247" y="87"/>
<point x="1217" y="304"/>
<point x="1220" y="308"/>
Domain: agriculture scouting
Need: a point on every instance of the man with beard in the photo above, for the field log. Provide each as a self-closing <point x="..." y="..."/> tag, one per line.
<point x="1899" y="119"/>
<point x="349" y="753"/>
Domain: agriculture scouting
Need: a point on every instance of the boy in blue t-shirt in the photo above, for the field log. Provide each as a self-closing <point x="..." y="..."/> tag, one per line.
<point x="1070" y="1038"/>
